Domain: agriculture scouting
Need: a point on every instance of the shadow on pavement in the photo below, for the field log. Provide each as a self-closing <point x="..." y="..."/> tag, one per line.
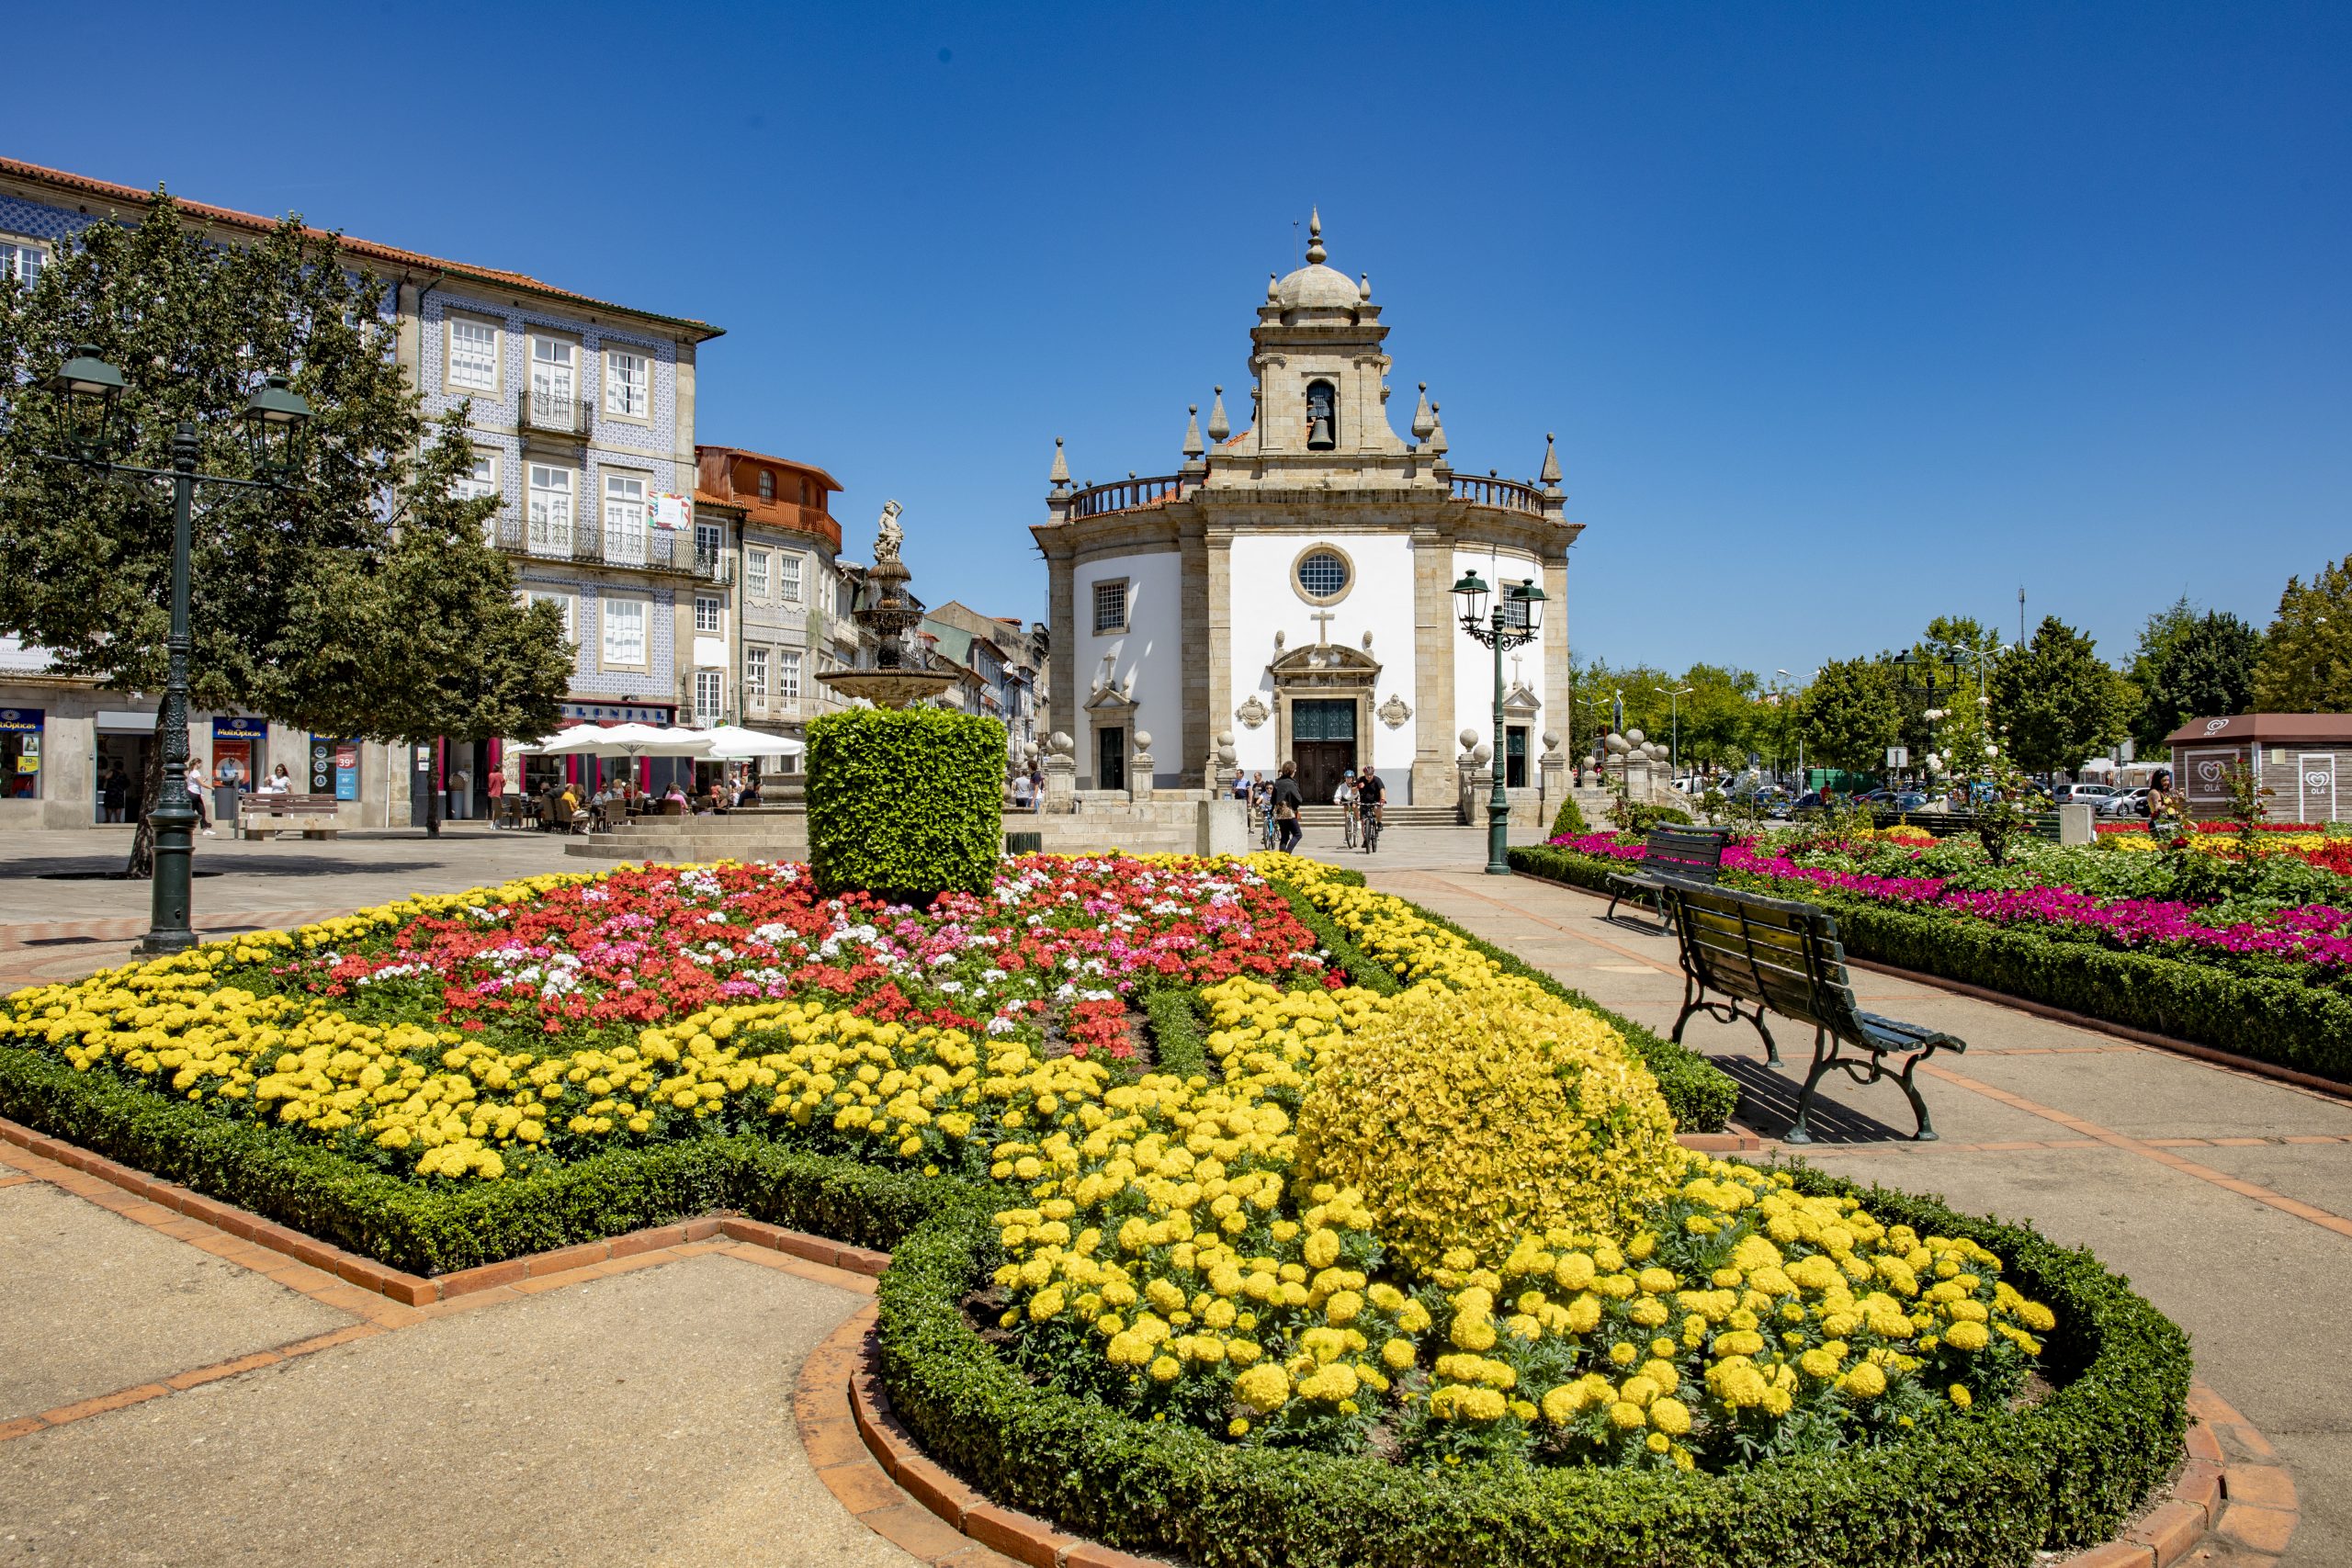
<point x="1768" y="1103"/>
<point x="93" y="868"/>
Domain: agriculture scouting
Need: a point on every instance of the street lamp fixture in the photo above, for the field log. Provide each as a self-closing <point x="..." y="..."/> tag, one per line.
<point x="1674" y="729"/>
<point x="274" y="418"/>
<point x="1513" y="621"/>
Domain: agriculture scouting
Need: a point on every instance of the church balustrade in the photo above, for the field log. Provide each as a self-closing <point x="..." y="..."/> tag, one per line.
<point x="1121" y="495"/>
<point x="1506" y="495"/>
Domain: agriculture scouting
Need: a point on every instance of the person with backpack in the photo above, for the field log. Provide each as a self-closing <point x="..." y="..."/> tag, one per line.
<point x="1286" y="797"/>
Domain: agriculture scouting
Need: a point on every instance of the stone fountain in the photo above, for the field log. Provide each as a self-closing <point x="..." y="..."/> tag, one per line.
<point x="903" y="674"/>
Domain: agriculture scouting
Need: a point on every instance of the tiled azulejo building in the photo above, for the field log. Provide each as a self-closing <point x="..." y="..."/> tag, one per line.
<point x="583" y="414"/>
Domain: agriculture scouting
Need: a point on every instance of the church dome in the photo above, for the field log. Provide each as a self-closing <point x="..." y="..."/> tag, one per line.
<point x="1316" y="286"/>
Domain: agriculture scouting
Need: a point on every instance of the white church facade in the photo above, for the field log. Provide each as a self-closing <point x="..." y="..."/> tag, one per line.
<point x="1291" y="585"/>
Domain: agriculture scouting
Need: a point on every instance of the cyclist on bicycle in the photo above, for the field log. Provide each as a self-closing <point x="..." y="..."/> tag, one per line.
<point x="1344" y="797"/>
<point x="1369" y="795"/>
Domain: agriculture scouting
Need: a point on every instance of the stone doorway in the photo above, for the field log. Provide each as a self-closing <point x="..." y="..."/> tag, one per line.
<point x="1323" y="743"/>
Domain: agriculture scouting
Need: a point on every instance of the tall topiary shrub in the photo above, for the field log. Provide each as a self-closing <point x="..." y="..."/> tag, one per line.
<point x="907" y="803"/>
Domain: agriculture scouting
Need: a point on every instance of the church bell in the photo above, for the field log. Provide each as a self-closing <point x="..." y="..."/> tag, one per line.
<point x="1318" y="434"/>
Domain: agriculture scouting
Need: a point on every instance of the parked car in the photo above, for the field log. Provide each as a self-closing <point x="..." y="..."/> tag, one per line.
<point x="2125" y="802"/>
<point x="1909" y="800"/>
<point x="2090" y="794"/>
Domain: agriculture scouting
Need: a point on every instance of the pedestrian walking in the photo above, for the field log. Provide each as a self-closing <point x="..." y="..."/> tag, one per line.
<point x="114" y="795"/>
<point x="197" y="784"/>
<point x="1287" y="803"/>
<point x="1022" y="799"/>
<point x="497" y="787"/>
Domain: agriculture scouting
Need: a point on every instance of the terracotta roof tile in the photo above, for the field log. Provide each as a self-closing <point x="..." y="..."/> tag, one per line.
<point x="370" y="249"/>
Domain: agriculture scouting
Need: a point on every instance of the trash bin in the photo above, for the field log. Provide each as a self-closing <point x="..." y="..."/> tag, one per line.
<point x="1025" y="844"/>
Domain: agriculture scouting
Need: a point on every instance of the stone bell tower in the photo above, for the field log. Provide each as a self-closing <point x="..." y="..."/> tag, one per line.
<point x="1322" y="387"/>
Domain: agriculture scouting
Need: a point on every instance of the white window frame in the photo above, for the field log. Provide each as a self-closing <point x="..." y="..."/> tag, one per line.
<point x="630" y="398"/>
<point x="755" y="671"/>
<point x="547" y="370"/>
<point x="1104" y="588"/>
<point x="481" y="481"/>
<point x="22" y="258"/>
<point x="788" y="675"/>
<point x="632" y="619"/>
<point x="755" y="574"/>
<point x="553" y="516"/>
<point x="713" y="684"/>
<point x="624" y="516"/>
<point x="788" y="575"/>
<point x="462" y="380"/>
<point x="716" y="608"/>
<point x="564" y="601"/>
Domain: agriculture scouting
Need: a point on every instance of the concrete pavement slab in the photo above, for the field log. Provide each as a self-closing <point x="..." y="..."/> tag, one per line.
<point x="2148" y="1094"/>
<point x="91" y="1302"/>
<point x="641" y="1419"/>
<point x="2319" y="1175"/>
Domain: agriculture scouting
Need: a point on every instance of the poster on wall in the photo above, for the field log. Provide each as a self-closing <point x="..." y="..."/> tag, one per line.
<point x="346" y="770"/>
<point x="669" y="512"/>
<point x="20" y="730"/>
<point x="236" y="750"/>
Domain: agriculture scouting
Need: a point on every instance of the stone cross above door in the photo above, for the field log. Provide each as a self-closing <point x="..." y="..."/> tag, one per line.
<point x="1323" y="619"/>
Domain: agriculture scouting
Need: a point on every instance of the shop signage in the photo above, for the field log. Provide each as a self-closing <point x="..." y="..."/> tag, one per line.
<point x="21" y="721"/>
<point x="239" y="728"/>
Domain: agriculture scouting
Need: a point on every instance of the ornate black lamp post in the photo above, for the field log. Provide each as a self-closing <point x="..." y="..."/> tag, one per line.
<point x="1515" y="617"/>
<point x="91" y="390"/>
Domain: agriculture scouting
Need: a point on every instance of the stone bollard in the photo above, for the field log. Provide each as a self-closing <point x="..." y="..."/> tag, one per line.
<point x="1139" y="768"/>
<point x="1061" y="773"/>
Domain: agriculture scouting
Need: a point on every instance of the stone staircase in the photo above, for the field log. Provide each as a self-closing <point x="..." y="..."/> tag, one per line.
<point x="1396" y="816"/>
<point x="762" y="832"/>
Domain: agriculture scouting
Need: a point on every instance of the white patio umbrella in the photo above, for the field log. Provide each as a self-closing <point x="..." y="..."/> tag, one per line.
<point x="627" y="741"/>
<point x="733" y="743"/>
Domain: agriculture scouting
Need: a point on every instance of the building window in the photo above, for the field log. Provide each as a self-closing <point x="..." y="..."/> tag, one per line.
<point x="767" y="485"/>
<point x="1111" y="605"/>
<point x="787" y="683"/>
<point x="1322" y="417"/>
<point x="473" y="354"/>
<point x="755" y="573"/>
<point x="22" y="260"/>
<point x="562" y="602"/>
<point x="553" y="362"/>
<point x="788" y="577"/>
<point x="625" y="519"/>
<point x="755" y="671"/>
<point x="624" y="622"/>
<point x="710" y="613"/>
<point x="479" y="481"/>
<point x="550" y="511"/>
<point x="1323" y="575"/>
<point x="709" y="688"/>
<point x="1515" y="756"/>
<point x="1514" y="610"/>
<point x="626" y="384"/>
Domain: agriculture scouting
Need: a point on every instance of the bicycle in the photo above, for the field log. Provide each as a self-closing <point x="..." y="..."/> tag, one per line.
<point x="1348" y="824"/>
<point x="1372" y="832"/>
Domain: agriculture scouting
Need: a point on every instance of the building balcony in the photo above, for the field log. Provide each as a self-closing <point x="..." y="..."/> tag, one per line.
<point x="642" y="549"/>
<point x="1502" y="495"/>
<point x="546" y="413"/>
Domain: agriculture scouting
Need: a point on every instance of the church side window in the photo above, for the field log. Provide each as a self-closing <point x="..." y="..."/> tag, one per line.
<point x="1322" y="417"/>
<point x="1110" y="606"/>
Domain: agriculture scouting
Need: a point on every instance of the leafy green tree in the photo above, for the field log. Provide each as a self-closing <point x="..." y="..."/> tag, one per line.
<point x="2200" y="667"/>
<point x="2306" y="664"/>
<point x="2058" y="701"/>
<point x="1853" y="713"/>
<point x="193" y="324"/>
<point x="429" y="639"/>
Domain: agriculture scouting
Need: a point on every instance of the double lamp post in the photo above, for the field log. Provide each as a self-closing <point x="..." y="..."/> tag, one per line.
<point x="91" y="391"/>
<point x="1515" y="617"/>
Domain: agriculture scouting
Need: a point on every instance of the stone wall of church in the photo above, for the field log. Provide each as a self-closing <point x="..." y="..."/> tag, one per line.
<point x="1266" y="599"/>
<point x="1149" y="653"/>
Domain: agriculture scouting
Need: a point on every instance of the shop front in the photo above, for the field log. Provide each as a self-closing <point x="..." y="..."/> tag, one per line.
<point x="21" y="732"/>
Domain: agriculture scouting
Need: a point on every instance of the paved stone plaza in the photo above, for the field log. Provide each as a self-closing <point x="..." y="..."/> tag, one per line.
<point x="643" y="1410"/>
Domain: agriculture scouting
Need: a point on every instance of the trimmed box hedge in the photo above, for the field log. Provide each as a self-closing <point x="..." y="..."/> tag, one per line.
<point x="907" y="803"/>
<point x="2308" y="1028"/>
<point x="1988" y="1489"/>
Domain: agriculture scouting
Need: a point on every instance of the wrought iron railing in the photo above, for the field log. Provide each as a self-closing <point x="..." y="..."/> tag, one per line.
<point x="553" y="413"/>
<point x="652" y="550"/>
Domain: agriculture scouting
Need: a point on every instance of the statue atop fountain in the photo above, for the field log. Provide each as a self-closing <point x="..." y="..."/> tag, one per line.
<point x="903" y="674"/>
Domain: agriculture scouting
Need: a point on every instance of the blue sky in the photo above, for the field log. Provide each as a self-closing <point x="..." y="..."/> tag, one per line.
<point x="1846" y="316"/>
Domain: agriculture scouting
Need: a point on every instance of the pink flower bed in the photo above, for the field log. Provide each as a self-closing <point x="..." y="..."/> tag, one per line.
<point x="2317" y="935"/>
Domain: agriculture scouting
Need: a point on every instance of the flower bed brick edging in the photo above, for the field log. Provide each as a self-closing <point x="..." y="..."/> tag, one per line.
<point x="417" y="1290"/>
<point x="2235" y="1492"/>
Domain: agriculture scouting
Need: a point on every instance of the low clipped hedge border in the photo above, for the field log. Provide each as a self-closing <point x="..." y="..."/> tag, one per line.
<point x="440" y="1230"/>
<point x="1984" y="1492"/>
<point x="2308" y="1028"/>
